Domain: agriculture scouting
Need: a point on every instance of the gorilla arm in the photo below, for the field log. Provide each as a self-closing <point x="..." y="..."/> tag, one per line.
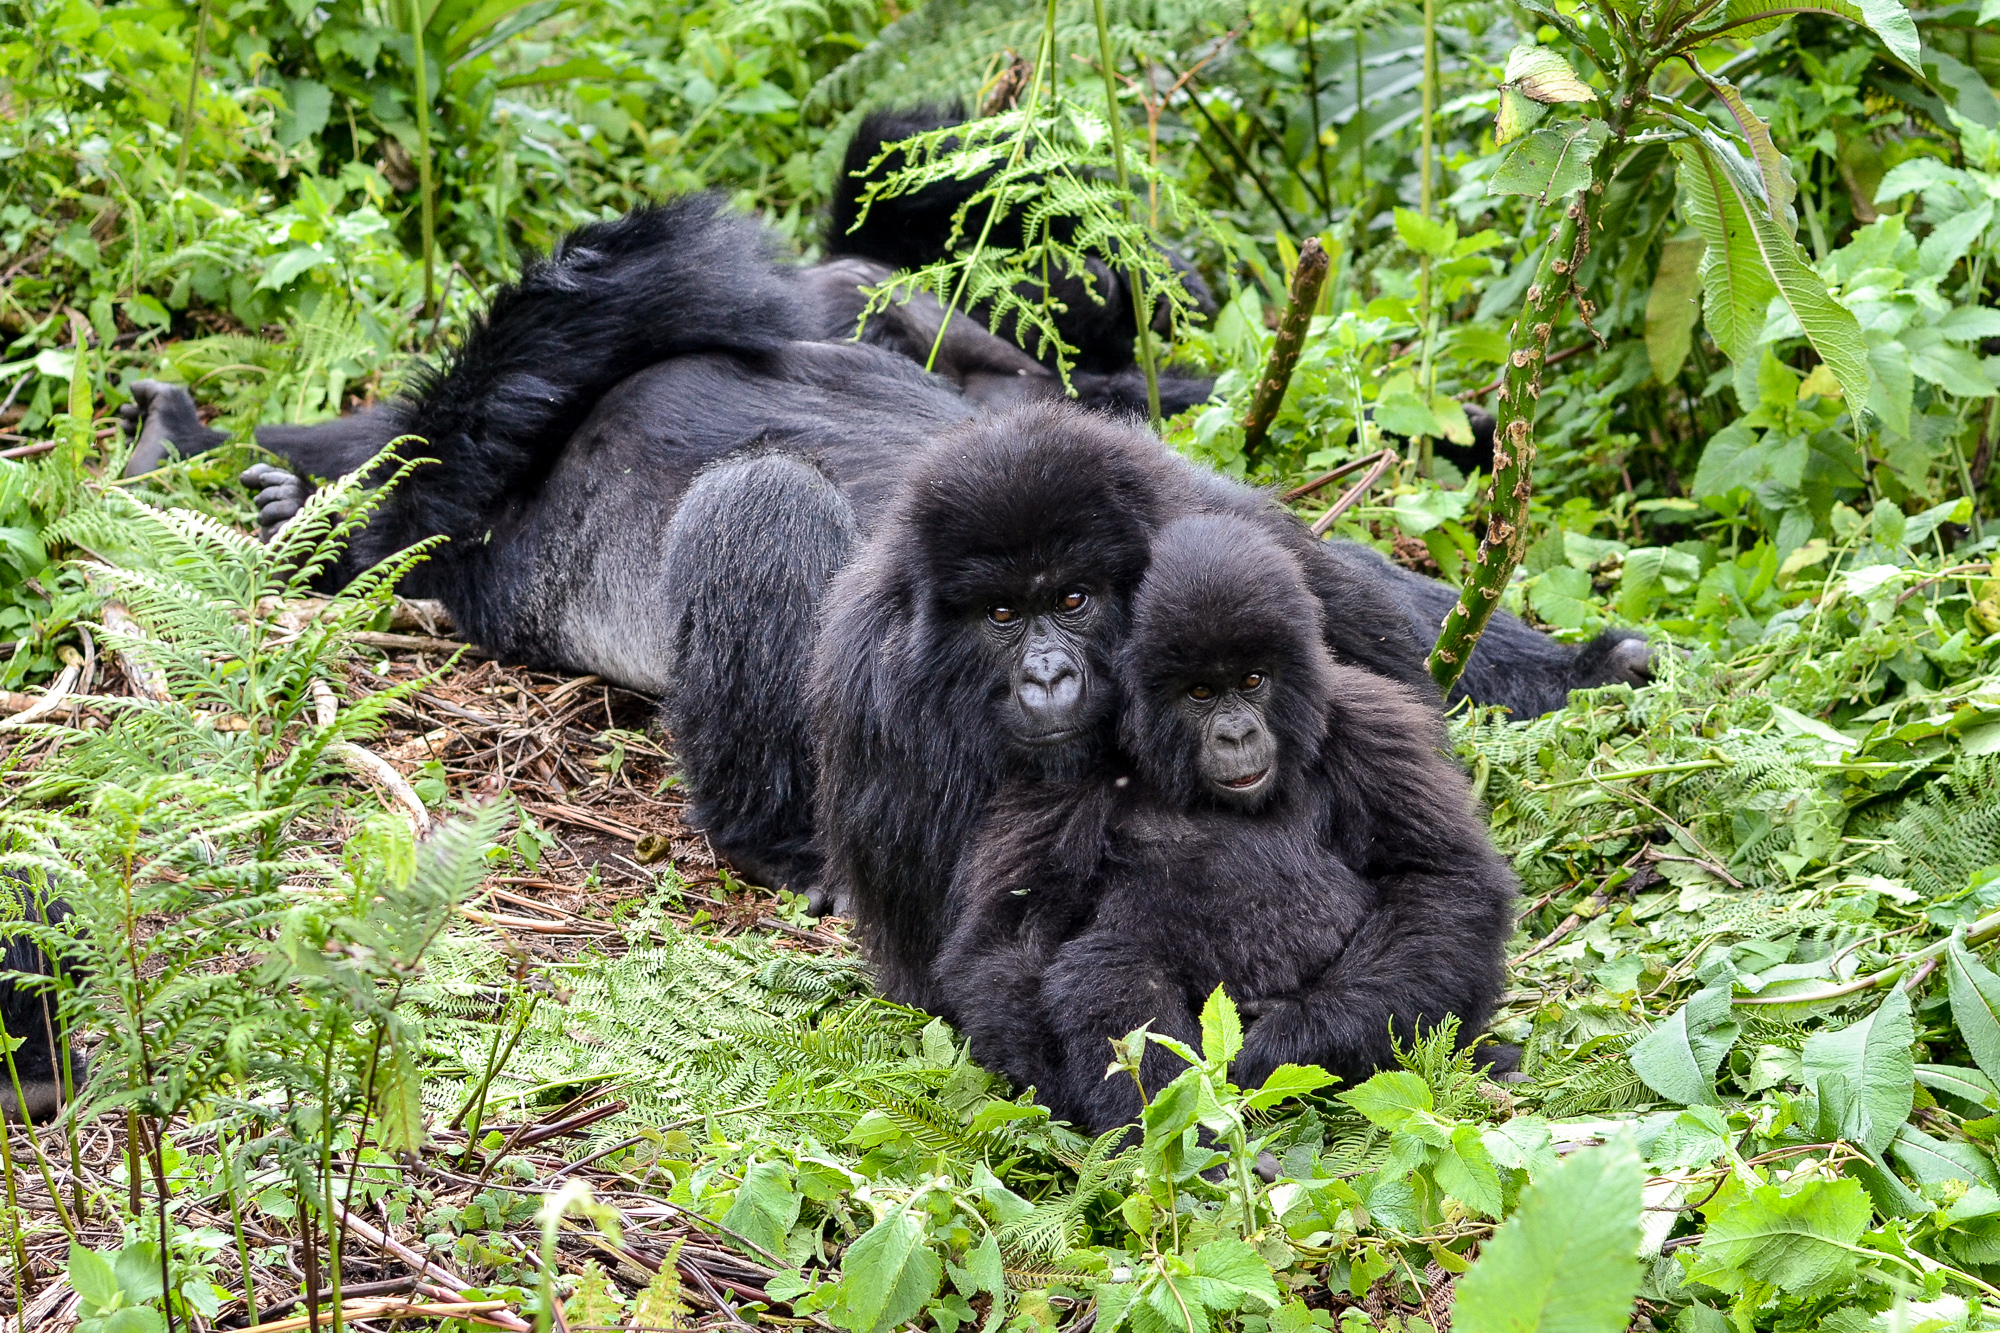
<point x="1400" y="814"/>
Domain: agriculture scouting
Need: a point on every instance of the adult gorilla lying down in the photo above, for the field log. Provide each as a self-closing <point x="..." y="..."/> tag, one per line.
<point x="571" y="422"/>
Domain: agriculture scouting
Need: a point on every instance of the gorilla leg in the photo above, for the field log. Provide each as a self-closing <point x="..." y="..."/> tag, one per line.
<point x="29" y="1016"/>
<point x="749" y="553"/>
<point x="164" y="418"/>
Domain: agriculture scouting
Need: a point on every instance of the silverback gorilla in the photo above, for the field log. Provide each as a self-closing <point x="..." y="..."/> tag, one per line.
<point x="1272" y="822"/>
<point x="571" y="421"/>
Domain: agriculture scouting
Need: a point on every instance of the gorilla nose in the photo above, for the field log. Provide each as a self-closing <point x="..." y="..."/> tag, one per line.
<point x="1051" y="687"/>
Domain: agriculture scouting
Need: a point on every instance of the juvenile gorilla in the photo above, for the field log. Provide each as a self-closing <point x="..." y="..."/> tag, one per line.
<point x="1286" y="827"/>
<point x="972" y="637"/>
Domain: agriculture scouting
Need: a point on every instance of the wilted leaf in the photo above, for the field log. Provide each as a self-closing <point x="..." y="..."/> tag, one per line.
<point x="1678" y="1058"/>
<point x="1673" y="306"/>
<point x="1519" y="113"/>
<point x="1873" y="1055"/>
<point x="1545" y="76"/>
<point x="1975" y="1004"/>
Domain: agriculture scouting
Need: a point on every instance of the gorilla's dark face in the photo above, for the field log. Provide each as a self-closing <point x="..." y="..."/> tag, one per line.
<point x="1236" y="749"/>
<point x="1047" y="637"/>
<point x="1224" y="671"/>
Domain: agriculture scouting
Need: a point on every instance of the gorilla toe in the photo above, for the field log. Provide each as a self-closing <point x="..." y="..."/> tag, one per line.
<point x="279" y="496"/>
<point x="164" y="419"/>
<point x="1615" y="657"/>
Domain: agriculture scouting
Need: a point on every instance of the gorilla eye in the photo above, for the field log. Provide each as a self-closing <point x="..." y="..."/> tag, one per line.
<point x="1002" y="615"/>
<point x="1252" y="680"/>
<point x="1202" y="693"/>
<point x="1075" y="600"/>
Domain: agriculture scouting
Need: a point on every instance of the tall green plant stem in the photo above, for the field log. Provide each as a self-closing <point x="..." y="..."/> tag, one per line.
<point x="194" y="86"/>
<point x="1141" y="307"/>
<point x="424" y="155"/>
<point x="1307" y="279"/>
<point x="1426" y="189"/>
<point x="1506" y="535"/>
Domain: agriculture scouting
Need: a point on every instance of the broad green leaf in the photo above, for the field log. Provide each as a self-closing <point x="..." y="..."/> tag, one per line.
<point x="1935" y="1161"/>
<point x="137" y="1268"/>
<point x="1891" y="386"/>
<point x="1551" y="163"/>
<point x="1408" y="415"/>
<point x="1887" y="19"/>
<point x="1221" y="1029"/>
<point x="765" y="1206"/>
<point x="1975" y="1004"/>
<point x="1748" y="242"/>
<point x="1953" y="369"/>
<point x="1451" y="418"/>
<point x="1736" y="287"/>
<point x="1673" y="306"/>
<point x="1391" y="1097"/>
<point x="1561" y="596"/>
<point x="1465" y="1171"/>
<point x="1968" y="1084"/>
<point x="1874" y="1056"/>
<point x="889" y="1273"/>
<point x="1288" y="1081"/>
<point x="1678" y="1058"/>
<point x="308" y="103"/>
<point x="1545" y="76"/>
<point x="1969" y="323"/>
<point x="1567" y="1261"/>
<point x="134" y="1319"/>
<point x="1519" y="113"/>
<point x="1792" y="1241"/>
<point x="1951" y="238"/>
<point x="1426" y="236"/>
<point x="1237" y="1266"/>
<point x="91" y="1278"/>
<point x="1773" y="170"/>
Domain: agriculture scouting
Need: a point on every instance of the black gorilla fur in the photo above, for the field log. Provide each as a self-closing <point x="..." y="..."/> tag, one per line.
<point x="914" y="229"/>
<point x="28" y="1013"/>
<point x="569" y="423"/>
<point x="915" y="708"/>
<point x="1356" y="896"/>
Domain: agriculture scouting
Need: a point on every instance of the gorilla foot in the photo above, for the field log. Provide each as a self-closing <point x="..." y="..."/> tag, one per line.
<point x="279" y="496"/>
<point x="164" y="419"/>
<point x="41" y="1100"/>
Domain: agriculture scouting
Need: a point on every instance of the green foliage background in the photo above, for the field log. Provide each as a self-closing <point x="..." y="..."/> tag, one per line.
<point x="1752" y="980"/>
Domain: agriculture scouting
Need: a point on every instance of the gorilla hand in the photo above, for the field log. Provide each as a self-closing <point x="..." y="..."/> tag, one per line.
<point x="164" y="419"/>
<point x="279" y="496"/>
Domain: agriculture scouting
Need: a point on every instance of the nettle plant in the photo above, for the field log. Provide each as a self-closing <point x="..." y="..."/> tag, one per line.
<point x="1660" y="101"/>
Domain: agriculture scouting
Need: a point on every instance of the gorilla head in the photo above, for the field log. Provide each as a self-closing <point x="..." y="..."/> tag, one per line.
<point x="1028" y="537"/>
<point x="1226" y="668"/>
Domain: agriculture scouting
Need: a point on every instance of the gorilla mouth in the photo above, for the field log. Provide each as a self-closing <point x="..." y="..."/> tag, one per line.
<point x="1060" y="736"/>
<point x="1249" y="782"/>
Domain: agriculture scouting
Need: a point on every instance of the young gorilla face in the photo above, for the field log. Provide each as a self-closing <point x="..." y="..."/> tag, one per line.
<point x="1030" y="538"/>
<point x="1226" y="670"/>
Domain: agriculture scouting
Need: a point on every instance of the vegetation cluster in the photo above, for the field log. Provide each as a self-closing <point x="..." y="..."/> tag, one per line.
<point x="1721" y="271"/>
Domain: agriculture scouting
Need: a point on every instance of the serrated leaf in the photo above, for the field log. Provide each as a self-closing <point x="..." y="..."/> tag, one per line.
<point x="1236" y="1265"/>
<point x="1673" y="306"/>
<point x="1795" y="1242"/>
<point x="765" y="1206"/>
<point x="1751" y="257"/>
<point x="1288" y="1081"/>
<point x="1451" y="418"/>
<point x="1519" y="113"/>
<point x="1221" y="1029"/>
<point x="1391" y="1097"/>
<point x="91" y="1278"/>
<point x="1678" y="1058"/>
<point x="1545" y="76"/>
<point x="1465" y="1171"/>
<point x="1953" y="369"/>
<point x="889" y="1273"/>
<point x="137" y="1268"/>
<point x="1874" y="1056"/>
<point x="1975" y="1004"/>
<point x="1568" y="1258"/>
<point x="1551" y="163"/>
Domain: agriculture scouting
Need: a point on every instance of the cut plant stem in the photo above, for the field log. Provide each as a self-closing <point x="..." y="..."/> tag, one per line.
<point x="417" y="25"/>
<point x="1506" y="535"/>
<point x="1142" y="314"/>
<point x="1980" y="931"/>
<point x="1307" y="279"/>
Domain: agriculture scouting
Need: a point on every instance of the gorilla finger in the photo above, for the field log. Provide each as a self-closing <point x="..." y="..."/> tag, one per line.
<point x="277" y="512"/>
<point x="279" y="493"/>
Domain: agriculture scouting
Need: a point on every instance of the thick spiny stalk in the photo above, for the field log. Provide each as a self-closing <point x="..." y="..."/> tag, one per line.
<point x="1307" y="279"/>
<point x="1506" y="536"/>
